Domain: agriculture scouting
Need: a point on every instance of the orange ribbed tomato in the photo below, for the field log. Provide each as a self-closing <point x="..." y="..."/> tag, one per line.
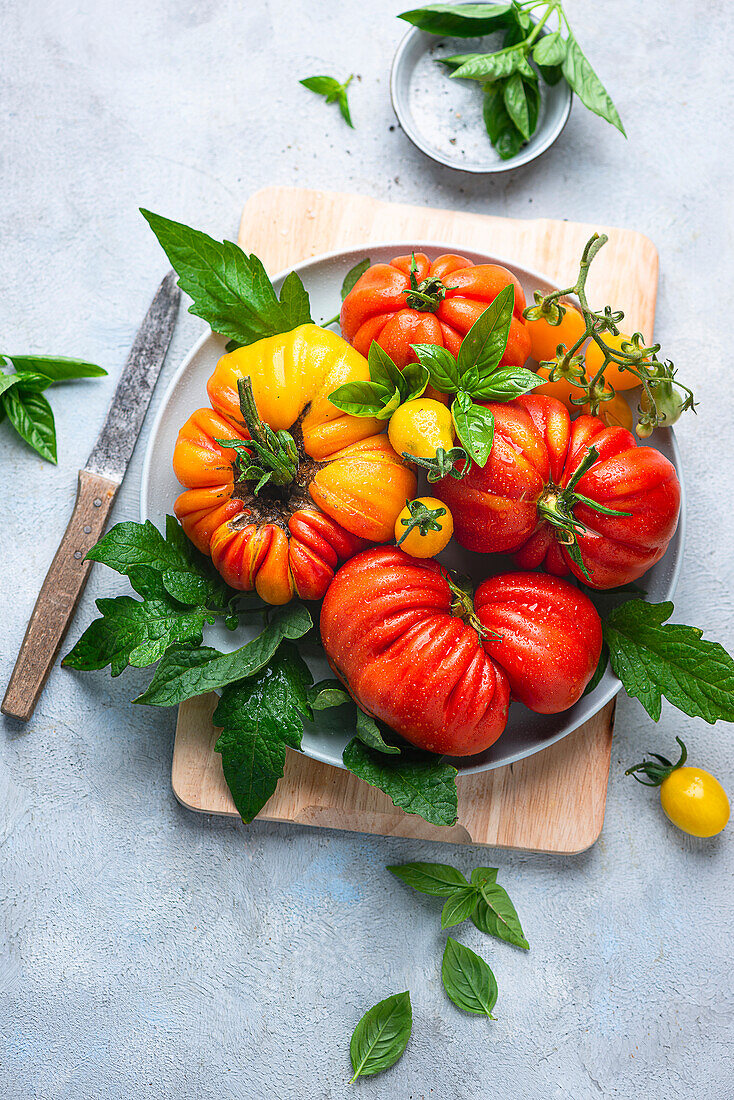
<point x="347" y="485"/>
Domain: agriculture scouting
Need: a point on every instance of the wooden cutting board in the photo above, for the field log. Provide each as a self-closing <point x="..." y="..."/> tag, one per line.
<point x="553" y="801"/>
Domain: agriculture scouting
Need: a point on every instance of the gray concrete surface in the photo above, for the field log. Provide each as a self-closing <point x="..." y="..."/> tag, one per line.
<point x="147" y="952"/>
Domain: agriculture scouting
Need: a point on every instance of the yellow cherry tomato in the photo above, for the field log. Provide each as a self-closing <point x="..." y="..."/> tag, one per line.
<point x="692" y="798"/>
<point x="420" y="427"/>
<point x="620" y="379"/>
<point x="545" y="338"/>
<point x="424" y="527"/>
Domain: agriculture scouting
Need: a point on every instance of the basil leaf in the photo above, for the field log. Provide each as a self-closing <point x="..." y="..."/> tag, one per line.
<point x="483" y="874"/>
<point x="57" y="368"/>
<point x="459" y="906"/>
<point x="505" y="384"/>
<point x="468" y="980"/>
<point x="259" y="717"/>
<point x="549" y="50"/>
<point x="587" y="85"/>
<point x="33" y="419"/>
<point x="369" y="734"/>
<point x="7" y="381"/>
<point x="509" y="143"/>
<point x="383" y="371"/>
<point x="186" y="574"/>
<point x="231" y="290"/>
<point x="654" y="660"/>
<point x="485" y="342"/>
<point x="443" y="370"/>
<point x="136" y="632"/>
<point x="474" y="427"/>
<point x="551" y="74"/>
<point x="186" y="671"/>
<point x="495" y="915"/>
<point x="489" y="66"/>
<point x="463" y="21"/>
<point x="366" y="399"/>
<point x="415" y="380"/>
<point x="532" y="93"/>
<point x="381" y="1036"/>
<point x="419" y="783"/>
<point x="440" y="880"/>
<point x="502" y="131"/>
<point x="353" y="276"/>
<point x="327" y="694"/>
<point x="333" y="91"/>
<point x="516" y="102"/>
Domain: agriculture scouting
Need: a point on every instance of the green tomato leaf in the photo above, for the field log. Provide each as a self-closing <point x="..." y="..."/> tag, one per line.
<point x="381" y="1036"/>
<point x="419" y="783"/>
<point x="516" y="102"/>
<point x="259" y="717"/>
<point x="654" y="660"/>
<point x="550" y="50"/>
<point x="443" y="370"/>
<point x="136" y="632"/>
<point x="474" y="426"/>
<point x="587" y="85"/>
<point x="57" y="368"/>
<point x="459" y="906"/>
<point x="327" y="694"/>
<point x="353" y="276"/>
<point x="294" y="300"/>
<point x="485" y="342"/>
<point x="462" y="21"/>
<point x="495" y="914"/>
<point x="440" y="880"/>
<point x="186" y="671"/>
<point x="468" y="980"/>
<point x="231" y="291"/>
<point x="369" y="734"/>
<point x="33" y="419"/>
<point x="505" y="384"/>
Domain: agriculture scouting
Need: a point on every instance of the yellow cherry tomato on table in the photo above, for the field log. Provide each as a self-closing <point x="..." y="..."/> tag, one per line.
<point x="420" y="427"/>
<point x="692" y="798"/>
<point x="424" y="527"/>
<point x="613" y="375"/>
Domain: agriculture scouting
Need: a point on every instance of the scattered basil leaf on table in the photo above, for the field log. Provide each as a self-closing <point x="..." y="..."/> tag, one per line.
<point x="381" y="1036"/>
<point x="259" y="717"/>
<point x="495" y="915"/>
<point x="654" y="658"/>
<point x="231" y="291"/>
<point x="333" y="91"/>
<point x="56" y="368"/>
<point x="418" y="783"/>
<point x="468" y="980"/>
<point x="33" y="419"/>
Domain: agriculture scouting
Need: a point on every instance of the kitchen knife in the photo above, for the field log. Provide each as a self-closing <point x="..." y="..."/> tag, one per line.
<point x="98" y="484"/>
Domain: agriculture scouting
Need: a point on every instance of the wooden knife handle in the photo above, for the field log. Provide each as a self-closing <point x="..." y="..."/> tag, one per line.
<point x="59" y="595"/>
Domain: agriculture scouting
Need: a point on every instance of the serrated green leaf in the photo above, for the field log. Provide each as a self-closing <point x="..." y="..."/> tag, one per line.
<point x="381" y="1036"/>
<point x="185" y="671"/>
<point x="295" y="302"/>
<point x="468" y="980"/>
<point x="418" y="783"/>
<point x="231" y="291"/>
<point x="459" y="906"/>
<point x="653" y="660"/>
<point x="587" y="85"/>
<point x="440" y="880"/>
<point x="259" y="717"/>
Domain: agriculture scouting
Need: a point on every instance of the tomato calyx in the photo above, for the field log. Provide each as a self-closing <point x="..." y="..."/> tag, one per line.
<point x="462" y="605"/>
<point x="422" y="518"/>
<point x="657" y="773"/>
<point x="427" y="295"/>
<point x="267" y="457"/>
<point x="443" y="464"/>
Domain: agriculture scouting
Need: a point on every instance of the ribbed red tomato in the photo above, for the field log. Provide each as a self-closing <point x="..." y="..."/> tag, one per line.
<point x="526" y="499"/>
<point x="393" y="632"/>
<point x="435" y="304"/>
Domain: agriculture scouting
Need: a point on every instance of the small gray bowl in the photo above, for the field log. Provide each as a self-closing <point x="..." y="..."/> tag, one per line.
<point x="443" y="117"/>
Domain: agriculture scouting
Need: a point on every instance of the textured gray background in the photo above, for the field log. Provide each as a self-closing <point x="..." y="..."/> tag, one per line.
<point x="148" y="952"/>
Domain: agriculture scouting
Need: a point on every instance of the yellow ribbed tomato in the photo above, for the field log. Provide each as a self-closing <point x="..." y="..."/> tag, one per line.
<point x="334" y="482"/>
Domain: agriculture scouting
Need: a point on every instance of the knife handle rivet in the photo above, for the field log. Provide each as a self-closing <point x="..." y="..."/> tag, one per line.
<point x="87" y="530"/>
<point x="77" y="554"/>
<point x="98" y="502"/>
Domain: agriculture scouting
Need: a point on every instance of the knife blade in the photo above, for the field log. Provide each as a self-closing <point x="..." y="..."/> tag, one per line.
<point x="99" y="481"/>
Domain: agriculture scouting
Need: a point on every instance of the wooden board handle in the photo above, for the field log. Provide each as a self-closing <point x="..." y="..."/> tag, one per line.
<point x="59" y="595"/>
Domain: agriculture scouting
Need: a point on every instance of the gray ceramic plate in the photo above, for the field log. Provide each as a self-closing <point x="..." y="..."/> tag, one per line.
<point x="526" y="733"/>
<point x="443" y="117"/>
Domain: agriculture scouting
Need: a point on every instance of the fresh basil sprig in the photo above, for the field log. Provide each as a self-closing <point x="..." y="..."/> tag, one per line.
<point x="482" y="900"/>
<point x="510" y="76"/>
<point x="21" y="395"/>
<point x="387" y="389"/>
<point x="231" y="291"/>
<point x="381" y="1036"/>
<point x="333" y="91"/>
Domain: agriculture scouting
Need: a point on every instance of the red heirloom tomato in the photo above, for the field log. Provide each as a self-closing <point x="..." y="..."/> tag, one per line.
<point x="529" y="496"/>
<point x="437" y="304"/>
<point x="545" y="634"/>
<point x="394" y="631"/>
